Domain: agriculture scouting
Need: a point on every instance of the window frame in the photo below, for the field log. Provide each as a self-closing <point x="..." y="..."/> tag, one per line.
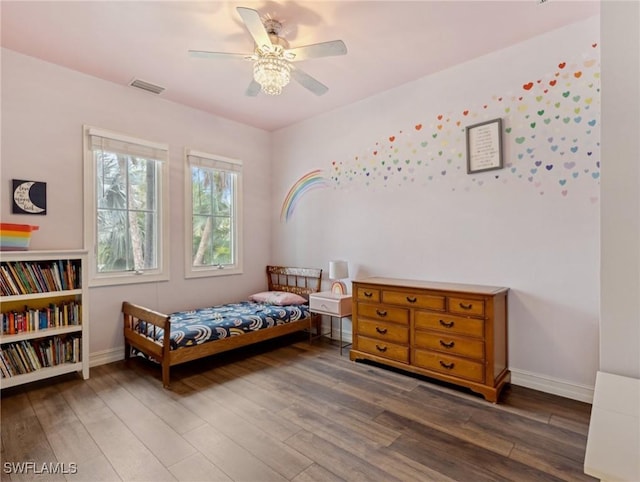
<point x="213" y="161"/>
<point x="161" y="273"/>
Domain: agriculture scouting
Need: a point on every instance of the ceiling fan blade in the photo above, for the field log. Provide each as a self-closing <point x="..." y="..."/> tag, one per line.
<point x="308" y="82"/>
<point x="203" y="54"/>
<point x="253" y="89"/>
<point x="324" y="49"/>
<point x="253" y="22"/>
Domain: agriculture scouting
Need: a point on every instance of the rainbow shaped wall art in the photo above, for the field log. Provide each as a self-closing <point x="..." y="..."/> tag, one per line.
<point x="308" y="182"/>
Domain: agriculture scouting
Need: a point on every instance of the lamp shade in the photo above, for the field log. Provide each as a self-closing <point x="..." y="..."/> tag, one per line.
<point x="338" y="269"/>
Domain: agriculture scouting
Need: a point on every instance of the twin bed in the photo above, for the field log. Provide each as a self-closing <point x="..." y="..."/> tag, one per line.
<point x="171" y="339"/>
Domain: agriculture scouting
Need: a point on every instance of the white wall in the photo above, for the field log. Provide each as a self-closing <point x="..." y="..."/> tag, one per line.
<point x="613" y="443"/>
<point x="44" y="107"/>
<point x="394" y="199"/>
<point x="620" y="210"/>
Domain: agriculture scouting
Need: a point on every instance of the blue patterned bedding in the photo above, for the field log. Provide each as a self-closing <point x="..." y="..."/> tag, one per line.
<point x="194" y="327"/>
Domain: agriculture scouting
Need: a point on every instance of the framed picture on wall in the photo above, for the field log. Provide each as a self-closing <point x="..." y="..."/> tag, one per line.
<point x="29" y="197"/>
<point x="484" y="146"/>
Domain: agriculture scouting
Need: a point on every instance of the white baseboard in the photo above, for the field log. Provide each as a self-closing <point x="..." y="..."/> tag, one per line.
<point x="551" y="385"/>
<point x="519" y="377"/>
<point x="535" y="381"/>
<point x="106" y="356"/>
<point x="346" y="337"/>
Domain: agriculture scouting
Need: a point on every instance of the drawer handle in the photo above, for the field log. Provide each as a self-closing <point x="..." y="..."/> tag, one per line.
<point x="447" y="324"/>
<point x="466" y="307"/>
<point x="382" y="331"/>
<point x="381" y="313"/>
<point x="412" y="299"/>
<point x="368" y="294"/>
<point x="450" y="344"/>
<point x="381" y="348"/>
<point x="448" y="366"/>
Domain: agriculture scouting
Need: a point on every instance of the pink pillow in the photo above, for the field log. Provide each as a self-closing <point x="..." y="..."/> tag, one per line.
<point x="279" y="298"/>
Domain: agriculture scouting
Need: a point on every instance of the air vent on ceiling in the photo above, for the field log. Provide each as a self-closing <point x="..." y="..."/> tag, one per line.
<point x="141" y="84"/>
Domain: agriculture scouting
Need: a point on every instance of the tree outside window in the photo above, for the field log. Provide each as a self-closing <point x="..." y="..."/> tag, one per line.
<point x="127" y="216"/>
<point x="125" y="208"/>
<point x="214" y="187"/>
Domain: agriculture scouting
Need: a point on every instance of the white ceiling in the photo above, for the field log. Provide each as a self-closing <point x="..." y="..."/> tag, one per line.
<point x="389" y="43"/>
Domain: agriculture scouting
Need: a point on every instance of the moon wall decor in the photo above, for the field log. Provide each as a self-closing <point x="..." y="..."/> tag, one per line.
<point x="29" y="197"/>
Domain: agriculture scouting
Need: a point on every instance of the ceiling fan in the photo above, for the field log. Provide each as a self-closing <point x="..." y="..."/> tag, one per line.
<point x="273" y="59"/>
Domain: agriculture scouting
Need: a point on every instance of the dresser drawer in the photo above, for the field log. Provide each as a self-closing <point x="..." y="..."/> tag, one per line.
<point x="466" y="306"/>
<point x="414" y="300"/>
<point x="391" y="332"/>
<point x="368" y="294"/>
<point x="383" y="313"/>
<point x="451" y="365"/>
<point x="384" y="349"/>
<point x="446" y="343"/>
<point x="449" y="324"/>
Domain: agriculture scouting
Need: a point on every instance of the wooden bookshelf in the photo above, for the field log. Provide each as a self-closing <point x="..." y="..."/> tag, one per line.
<point x="44" y="315"/>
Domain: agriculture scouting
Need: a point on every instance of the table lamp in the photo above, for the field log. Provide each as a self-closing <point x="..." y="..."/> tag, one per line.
<point x="338" y="270"/>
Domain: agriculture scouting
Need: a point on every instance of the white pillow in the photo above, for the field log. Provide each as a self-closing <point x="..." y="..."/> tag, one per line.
<point x="280" y="298"/>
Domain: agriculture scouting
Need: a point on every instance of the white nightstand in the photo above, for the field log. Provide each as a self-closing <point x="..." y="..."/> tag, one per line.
<point x="334" y="305"/>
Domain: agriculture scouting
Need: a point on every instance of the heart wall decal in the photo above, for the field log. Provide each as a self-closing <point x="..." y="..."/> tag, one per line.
<point x="548" y="134"/>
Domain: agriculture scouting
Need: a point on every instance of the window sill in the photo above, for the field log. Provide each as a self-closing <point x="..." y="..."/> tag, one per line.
<point x="127" y="279"/>
<point x="210" y="272"/>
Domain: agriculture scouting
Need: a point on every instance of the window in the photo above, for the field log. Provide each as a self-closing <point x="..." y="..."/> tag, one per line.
<point x="125" y="208"/>
<point x="213" y="220"/>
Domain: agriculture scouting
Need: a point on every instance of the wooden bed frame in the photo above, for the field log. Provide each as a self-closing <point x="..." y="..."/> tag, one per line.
<point x="302" y="281"/>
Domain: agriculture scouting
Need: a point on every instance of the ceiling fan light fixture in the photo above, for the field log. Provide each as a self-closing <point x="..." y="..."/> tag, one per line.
<point x="272" y="73"/>
<point x="272" y="57"/>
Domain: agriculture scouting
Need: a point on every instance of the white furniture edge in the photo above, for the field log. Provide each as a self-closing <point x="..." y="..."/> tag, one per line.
<point x="613" y="443"/>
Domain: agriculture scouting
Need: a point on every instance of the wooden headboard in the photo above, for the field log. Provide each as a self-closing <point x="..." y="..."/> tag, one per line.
<point x="301" y="281"/>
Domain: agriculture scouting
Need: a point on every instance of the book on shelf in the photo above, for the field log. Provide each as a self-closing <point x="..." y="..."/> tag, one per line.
<point x="36" y="272"/>
<point x="27" y="277"/>
<point x="18" y="364"/>
<point x="27" y="356"/>
<point x="13" y="274"/>
<point x="24" y="356"/>
<point x="7" y="371"/>
<point x="6" y="358"/>
<point x="56" y="315"/>
<point x="8" y="285"/>
<point x="30" y="274"/>
<point x="69" y="273"/>
<point x="25" y="366"/>
<point x="28" y="350"/>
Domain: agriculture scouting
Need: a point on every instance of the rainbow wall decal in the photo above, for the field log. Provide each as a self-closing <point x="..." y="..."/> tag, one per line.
<point x="311" y="180"/>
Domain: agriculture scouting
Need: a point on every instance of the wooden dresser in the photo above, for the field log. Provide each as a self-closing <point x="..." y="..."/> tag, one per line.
<point x="456" y="333"/>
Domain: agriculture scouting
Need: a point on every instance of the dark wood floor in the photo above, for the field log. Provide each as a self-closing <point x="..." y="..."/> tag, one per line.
<point x="285" y="410"/>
